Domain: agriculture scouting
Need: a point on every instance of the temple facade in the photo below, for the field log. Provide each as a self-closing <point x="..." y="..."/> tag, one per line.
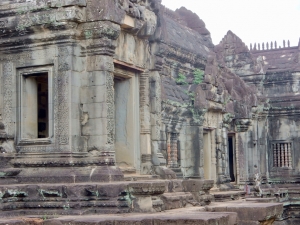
<point x="108" y="91"/>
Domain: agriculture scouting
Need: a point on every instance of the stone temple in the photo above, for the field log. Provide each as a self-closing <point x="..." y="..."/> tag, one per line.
<point x="125" y="112"/>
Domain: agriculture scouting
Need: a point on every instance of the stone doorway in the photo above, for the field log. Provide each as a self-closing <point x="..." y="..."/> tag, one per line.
<point x="127" y="121"/>
<point x="232" y="158"/>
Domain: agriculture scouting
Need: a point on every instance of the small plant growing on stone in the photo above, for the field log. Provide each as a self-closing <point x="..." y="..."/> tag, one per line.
<point x="192" y="95"/>
<point x="198" y="76"/>
<point x="181" y="79"/>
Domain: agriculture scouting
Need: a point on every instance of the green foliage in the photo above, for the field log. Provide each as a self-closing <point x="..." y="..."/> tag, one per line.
<point x="88" y="34"/>
<point x="181" y="79"/>
<point x="192" y="95"/>
<point x="198" y="76"/>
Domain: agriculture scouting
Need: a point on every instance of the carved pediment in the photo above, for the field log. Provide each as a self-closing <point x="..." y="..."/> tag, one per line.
<point x="242" y="125"/>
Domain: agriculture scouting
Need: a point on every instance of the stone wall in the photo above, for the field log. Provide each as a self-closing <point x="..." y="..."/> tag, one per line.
<point x="135" y="84"/>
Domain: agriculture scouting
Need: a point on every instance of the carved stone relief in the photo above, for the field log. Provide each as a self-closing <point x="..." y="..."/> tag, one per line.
<point x="110" y="109"/>
<point x="8" y="96"/>
<point x="144" y="103"/>
<point x="61" y="99"/>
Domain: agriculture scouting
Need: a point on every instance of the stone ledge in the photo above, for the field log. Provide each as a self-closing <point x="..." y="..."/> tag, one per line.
<point x="178" y="217"/>
<point x="247" y="211"/>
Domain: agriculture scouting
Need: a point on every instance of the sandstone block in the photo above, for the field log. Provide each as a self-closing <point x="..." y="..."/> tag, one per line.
<point x="94" y="94"/>
<point x="95" y="127"/>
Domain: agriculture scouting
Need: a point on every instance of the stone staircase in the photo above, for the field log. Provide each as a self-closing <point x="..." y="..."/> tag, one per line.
<point x="169" y="201"/>
<point x="147" y="201"/>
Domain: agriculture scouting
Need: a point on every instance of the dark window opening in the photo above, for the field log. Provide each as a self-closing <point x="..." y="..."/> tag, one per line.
<point x="231" y="158"/>
<point x="43" y="105"/>
<point x="36" y="106"/>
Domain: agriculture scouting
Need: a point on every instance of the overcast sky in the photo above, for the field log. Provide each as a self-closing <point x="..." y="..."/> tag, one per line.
<point x="252" y="20"/>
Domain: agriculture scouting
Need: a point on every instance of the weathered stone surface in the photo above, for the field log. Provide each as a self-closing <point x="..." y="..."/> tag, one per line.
<point x="193" y="21"/>
<point x="90" y="86"/>
<point x="250" y="213"/>
<point x="61" y="3"/>
<point x="173" y="217"/>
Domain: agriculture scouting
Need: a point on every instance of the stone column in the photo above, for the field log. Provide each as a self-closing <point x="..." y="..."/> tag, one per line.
<point x="145" y="130"/>
<point x="97" y="102"/>
<point x="226" y="154"/>
<point x="201" y="150"/>
<point x="97" y="95"/>
<point x="195" y="130"/>
<point x="156" y="120"/>
<point x="262" y="144"/>
<point x="219" y="155"/>
<point x="237" y="156"/>
<point x="242" y="126"/>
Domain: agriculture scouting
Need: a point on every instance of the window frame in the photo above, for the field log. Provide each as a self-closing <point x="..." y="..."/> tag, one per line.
<point x="291" y="153"/>
<point x="22" y="73"/>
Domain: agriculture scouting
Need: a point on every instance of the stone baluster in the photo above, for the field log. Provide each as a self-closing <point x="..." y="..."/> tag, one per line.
<point x="279" y="155"/>
<point x="263" y="46"/>
<point x="284" y="43"/>
<point x="288" y="43"/>
<point x="250" y="47"/>
<point x="254" y="48"/>
<point x="290" y="154"/>
<point x="258" y="46"/>
<point x="174" y="150"/>
<point x="169" y="149"/>
<point x="286" y="157"/>
<point x="267" y="45"/>
<point x="275" y="155"/>
<point x="275" y="44"/>
<point x="271" y="44"/>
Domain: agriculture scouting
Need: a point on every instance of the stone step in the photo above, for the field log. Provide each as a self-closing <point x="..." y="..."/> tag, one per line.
<point x="172" y="217"/>
<point x="137" y="177"/>
<point x="84" y="198"/>
<point x="224" y="196"/>
<point x="249" y="212"/>
<point x="62" y="175"/>
<point x="268" y="200"/>
<point x="177" y="200"/>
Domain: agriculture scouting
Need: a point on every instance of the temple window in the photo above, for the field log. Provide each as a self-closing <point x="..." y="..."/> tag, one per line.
<point x="282" y="156"/>
<point x="35" y="104"/>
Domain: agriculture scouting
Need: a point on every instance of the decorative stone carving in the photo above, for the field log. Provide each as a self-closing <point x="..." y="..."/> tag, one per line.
<point x="8" y="97"/>
<point x="110" y="109"/>
<point x="144" y="103"/>
<point x="257" y="187"/>
<point x="61" y="97"/>
<point x="242" y="125"/>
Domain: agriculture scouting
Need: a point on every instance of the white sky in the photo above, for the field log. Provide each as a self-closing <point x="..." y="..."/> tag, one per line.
<point x="252" y="20"/>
